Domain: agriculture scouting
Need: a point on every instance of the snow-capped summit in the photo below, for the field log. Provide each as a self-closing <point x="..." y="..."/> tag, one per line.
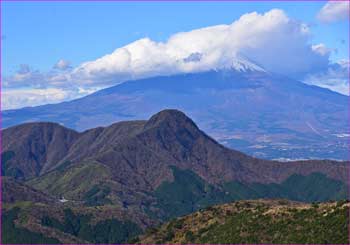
<point x="241" y="63"/>
<point x="237" y="62"/>
<point x="244" y="64"/>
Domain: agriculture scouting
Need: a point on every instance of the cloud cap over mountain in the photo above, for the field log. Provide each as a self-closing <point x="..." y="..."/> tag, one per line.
<point x="272" y="39"/>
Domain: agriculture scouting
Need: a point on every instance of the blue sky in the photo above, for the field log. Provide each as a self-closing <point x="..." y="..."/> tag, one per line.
<point x="39" y="34"/>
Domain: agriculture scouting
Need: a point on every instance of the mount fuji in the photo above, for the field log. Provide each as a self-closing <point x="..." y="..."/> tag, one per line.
<point x="241" y="105"/>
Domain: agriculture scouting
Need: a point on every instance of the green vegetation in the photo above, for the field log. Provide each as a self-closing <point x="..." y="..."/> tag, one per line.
<point x="63" y="166"/>
<point x="189" y="236"/>
<point x="189" y="192"/>
<point x="7" y="169"/>
<point x="186" y="194"/>
<point x="16" y="235"/>
<point x="5" y="156"/>
<point x="315" y="187"/>
<point x="257" y="222"/>
<point x="74" y="182"/>
<point x="298" y="226"/>
<point x="106" y="231"/>
<point x="97" y="196"/>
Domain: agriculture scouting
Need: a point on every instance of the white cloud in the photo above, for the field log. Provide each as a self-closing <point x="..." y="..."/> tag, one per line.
<point x="334" y="11"/>
<point x="24" y="76"/>
<point x="335" y="78"/>
<point x="271" y="39"/>
<point x="321" y="49"/>
<point x="23" y="69"/>
<point x="62" y="65"/>
<point x="18" y="98"/>
<point x="27" y="77"/>
<point x="30" y="97"/>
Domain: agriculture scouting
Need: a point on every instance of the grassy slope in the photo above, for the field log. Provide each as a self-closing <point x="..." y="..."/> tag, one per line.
<point x="107" y="231"/>
<point x="91" y="184"/>
<point x="12" y="234"/>
<point x="26" y="222"/>
<point x="74" y="183"/>
<point x="6" y="169"/>
<point x="188" y="192"/>
<point x="258" y="221"/>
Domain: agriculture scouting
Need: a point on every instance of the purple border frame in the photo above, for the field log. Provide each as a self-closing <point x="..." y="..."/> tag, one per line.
<point x="217" y="1"/>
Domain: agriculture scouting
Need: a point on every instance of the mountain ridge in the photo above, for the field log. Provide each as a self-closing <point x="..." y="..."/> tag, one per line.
<point x="170" y="132"/>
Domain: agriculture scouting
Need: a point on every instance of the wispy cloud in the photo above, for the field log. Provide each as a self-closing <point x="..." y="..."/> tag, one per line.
<point x="334" y="11"/>
<point x="335" y="77"/>
<point x="321" y="49"/>
<point x="23" y="97"/>
<point x="62" y="65"/>
<point x="31" y="97"/>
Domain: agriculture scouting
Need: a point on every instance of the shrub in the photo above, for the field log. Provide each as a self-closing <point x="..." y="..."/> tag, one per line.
<point x="189" y="236"/>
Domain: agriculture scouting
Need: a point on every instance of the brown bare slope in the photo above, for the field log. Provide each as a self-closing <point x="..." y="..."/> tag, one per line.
<point x="30" y="149"/>
<point x="15" y="191"/>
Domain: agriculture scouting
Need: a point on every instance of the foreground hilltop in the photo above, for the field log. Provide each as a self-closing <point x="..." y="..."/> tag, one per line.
<point x="260" y="221"/>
